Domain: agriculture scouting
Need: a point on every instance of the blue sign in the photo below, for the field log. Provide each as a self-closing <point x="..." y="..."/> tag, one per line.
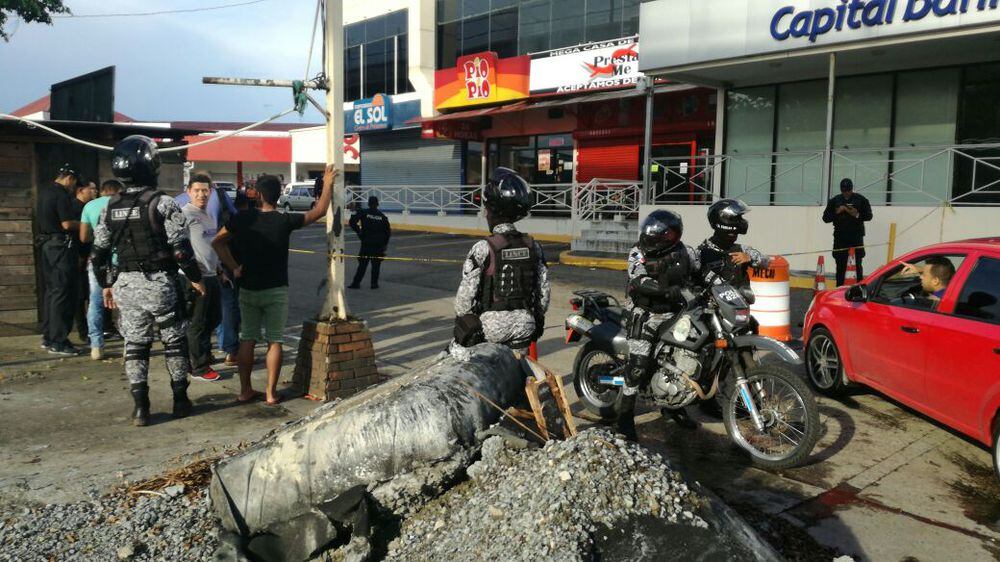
<point x="373" y="114"/>
<point x="856" y="14"/>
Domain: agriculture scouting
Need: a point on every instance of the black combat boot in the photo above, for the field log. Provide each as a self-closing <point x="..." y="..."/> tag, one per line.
<point x="182" y="404"/>
<point x="680" y="417"/>
<point x="625" y="415"/>
<point x="140" y="393"/>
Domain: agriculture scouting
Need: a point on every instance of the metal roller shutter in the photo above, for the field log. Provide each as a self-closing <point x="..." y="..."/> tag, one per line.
<point x="403" y="158"/>
<point x="616" y="159"/>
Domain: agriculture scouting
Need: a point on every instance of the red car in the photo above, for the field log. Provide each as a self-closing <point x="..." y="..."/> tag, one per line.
<point x="934" y="348"/>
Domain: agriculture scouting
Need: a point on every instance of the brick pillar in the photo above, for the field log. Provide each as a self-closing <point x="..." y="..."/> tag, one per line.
<point x="335" y="360"/>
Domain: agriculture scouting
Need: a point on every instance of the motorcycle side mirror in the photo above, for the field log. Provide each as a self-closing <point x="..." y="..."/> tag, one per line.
<point x="857" y="293"/>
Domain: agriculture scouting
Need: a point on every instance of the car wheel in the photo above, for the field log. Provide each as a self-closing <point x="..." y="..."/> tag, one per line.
<point x="824" y="364"/>
<point x="996" y="453"/>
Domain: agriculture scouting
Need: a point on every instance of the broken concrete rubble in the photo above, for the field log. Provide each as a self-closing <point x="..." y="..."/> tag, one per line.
<point x="404" y="439"/>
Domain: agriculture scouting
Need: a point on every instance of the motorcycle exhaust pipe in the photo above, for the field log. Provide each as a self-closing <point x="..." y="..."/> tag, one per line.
<point x="579" y="324"/>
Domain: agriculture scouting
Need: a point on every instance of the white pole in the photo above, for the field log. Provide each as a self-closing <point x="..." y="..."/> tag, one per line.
<point x="333" y="43"/>
<point x="828" y="153"/>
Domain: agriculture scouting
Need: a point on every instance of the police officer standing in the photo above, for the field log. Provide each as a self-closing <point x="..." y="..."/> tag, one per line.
<point x="659" y="266"/>
<point x="148" y="235"/>
<point x="848" y="212"/>
<point x="504" y="291"/>
<point x="57" y="232"/>
<point x="720" y="254"/>
<point x="372" y="227"/>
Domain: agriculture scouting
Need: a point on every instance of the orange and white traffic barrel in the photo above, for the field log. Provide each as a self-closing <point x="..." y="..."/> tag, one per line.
<point x="772" y="295"/>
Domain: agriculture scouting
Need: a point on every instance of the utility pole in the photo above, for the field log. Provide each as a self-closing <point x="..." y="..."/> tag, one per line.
<point x="334" y="305"/>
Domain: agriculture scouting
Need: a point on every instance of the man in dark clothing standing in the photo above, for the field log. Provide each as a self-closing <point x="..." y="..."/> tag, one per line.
<point x="374" y="233"/>
<point x="57" y="228"/>
<point x="848" y="212"/>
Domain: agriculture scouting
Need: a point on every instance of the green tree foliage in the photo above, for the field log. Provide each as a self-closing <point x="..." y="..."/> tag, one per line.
<point x="30" y="11"/>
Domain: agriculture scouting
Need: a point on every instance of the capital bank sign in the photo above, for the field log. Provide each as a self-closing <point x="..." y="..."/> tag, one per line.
<point x="856" y="14"/>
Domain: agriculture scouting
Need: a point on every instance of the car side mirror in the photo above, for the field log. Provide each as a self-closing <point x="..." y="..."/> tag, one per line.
<point x="857" y="293"/>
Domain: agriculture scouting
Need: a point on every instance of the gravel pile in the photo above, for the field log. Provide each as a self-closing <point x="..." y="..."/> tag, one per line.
<point x="553" y="502"/>
<point x="168" y="527"/>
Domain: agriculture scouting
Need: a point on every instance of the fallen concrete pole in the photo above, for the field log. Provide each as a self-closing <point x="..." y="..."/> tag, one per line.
<point x="403" y="439"/>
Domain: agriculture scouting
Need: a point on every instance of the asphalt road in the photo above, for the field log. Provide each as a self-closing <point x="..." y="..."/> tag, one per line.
<point x="884" y="483"/>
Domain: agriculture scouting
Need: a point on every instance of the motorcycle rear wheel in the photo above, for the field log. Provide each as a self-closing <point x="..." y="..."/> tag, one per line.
<point x="790" y="413"/>
<point x="598" y="399"/>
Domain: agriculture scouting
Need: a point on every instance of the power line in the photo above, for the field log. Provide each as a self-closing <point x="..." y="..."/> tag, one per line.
<point x="163" y="12"/>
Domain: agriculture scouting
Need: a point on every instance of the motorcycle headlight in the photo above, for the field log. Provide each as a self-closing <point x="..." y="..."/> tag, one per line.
<point x="742" y="316"/>
<point x="682" y="329"/>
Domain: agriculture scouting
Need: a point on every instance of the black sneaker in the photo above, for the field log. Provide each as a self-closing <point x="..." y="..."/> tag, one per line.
<point x="354" y="286"/>
<point x="65" y="349"/>
<point x="45" y="345"/>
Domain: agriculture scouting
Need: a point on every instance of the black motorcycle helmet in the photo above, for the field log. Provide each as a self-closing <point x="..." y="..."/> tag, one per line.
<point x="726" y="217"/>
<point x="136" y="161"/>
<point x="507" y="196"/>
<point x="660" y="232"/>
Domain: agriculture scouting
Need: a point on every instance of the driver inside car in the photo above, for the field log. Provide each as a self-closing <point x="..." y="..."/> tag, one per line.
<point x="935" y="275"/>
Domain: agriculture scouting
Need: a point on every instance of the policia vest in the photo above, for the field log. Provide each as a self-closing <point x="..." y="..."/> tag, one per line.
<point x="510" y="277"/>
<point x="137" y="234"/>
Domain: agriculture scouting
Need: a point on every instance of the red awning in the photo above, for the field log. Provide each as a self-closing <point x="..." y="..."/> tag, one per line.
<point x="241" y="148"/>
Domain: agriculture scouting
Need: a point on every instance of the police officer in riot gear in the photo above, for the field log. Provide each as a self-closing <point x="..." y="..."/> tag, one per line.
<point x="659" y="266"/>
<point x="140" y="242"/>
<point x="721" y="254"/>
<point x="504" y="291"/>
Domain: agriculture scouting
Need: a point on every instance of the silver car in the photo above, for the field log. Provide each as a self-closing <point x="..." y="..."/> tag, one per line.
<point x="297" y="198"/>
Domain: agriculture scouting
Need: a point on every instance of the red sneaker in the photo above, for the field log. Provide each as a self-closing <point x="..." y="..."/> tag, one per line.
<point x="209" y="375"/>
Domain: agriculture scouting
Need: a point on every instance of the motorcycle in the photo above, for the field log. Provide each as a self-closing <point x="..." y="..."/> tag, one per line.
<point x="707" y="351"/>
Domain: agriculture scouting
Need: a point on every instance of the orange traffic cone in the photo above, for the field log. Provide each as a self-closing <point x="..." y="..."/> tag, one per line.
<point x="852" y="269"/>
<point x="820" y="283"/>
<point x="533" y="351"/>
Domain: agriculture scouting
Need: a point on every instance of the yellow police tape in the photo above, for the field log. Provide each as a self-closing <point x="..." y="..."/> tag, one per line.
<point x="387" y="258"/>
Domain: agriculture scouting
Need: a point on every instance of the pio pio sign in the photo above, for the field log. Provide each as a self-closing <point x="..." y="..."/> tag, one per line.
<point x="481" y="78"/>
<point x="593" y="66"/>
<point x="373" y="114"/>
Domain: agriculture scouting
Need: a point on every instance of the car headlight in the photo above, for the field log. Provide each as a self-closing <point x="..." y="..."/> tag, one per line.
<point x="682" y="328"/>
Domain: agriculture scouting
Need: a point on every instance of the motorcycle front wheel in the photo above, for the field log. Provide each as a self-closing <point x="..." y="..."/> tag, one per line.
<point x="592" y="362"/>
<point x="787" y="409"/>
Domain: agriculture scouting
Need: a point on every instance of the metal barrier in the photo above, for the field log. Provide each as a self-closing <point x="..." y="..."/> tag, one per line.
<point x="553" y="200"/>
<point x="914" y="175"/>
<point x="603" y="199"/>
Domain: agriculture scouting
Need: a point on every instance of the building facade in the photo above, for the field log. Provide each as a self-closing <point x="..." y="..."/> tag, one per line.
<point x="900" y="96"/>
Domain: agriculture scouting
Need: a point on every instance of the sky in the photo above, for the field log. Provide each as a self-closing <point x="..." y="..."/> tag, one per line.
<point x="161" y="59"/>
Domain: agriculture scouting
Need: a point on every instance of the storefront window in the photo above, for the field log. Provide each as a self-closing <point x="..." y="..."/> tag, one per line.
<point x="926" y="110"/>
<point x="473" y="163"/>
<point x="800" y="141"/>
<point x="534" y="26"/>
<point x="750" y="141"/>
<point x="375" y="56"/>
<point x="861" y="126"/>
<point x="979" y="123"/>
<point x="542" y="159"/>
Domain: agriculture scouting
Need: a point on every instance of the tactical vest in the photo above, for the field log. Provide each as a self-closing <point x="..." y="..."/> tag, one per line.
<point x="509" y="279"/>
<point x="137" y="234"/>
<point x="670" y="270"/>
<point x="720" y="262"/>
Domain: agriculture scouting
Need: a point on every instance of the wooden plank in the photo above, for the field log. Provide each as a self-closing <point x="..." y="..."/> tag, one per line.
<point x="19" y="303"/>
<point x="14" y="181"/>
<point x="15" y="250"/>
<point x="25" y="259"/>
<point x="16" y="212"/>
<point x="20" y="329"/>
<point x="15" y="164"/>
<point x="16" y="150"/>
<point x="15" y="226"/>
<point x="16" y="290"/>
<point x="12" y="280"/>
<point x="13" y="270"/>
<point x="531" y="389"/>
<point x="522" y="414"/>
<point x="18" y="316"/>
<point x="15" y="238"/>
<point x="559" y="394"/>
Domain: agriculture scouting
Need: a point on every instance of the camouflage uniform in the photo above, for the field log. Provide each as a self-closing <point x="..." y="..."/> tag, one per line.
<point x="732" y="274"/>
<point x="642" y="325"/>
<point x="512" y="328"/>
<point x="154" y="298"/>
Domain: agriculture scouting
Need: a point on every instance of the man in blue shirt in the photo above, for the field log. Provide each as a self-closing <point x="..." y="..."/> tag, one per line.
<point x="221" y="207"/>
<point x="935" y="275"/>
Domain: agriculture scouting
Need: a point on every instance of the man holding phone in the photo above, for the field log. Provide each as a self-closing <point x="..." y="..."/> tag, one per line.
<point x="848" y="212"/>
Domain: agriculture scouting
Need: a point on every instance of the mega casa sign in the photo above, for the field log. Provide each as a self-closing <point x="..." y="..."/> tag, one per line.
<point x="594" y="66"/>
<point x="481" y="78"/>
<point x="855" y="14"/>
